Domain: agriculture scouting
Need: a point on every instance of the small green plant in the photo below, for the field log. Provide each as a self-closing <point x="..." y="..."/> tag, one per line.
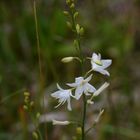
<point x="34" y="116"/>
<point x="81" y="88"/>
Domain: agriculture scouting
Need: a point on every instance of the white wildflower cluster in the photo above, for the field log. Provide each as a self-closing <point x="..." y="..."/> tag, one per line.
<point x="81" y="85"/>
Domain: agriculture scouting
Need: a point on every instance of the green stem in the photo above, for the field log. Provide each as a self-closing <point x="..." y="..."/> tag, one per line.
<point x="38" y="44"/>
<point x="84" y="117"/>
<point x="79" y="49"/>
<point x="41" y="138"/>
<point x="39" y="61"/>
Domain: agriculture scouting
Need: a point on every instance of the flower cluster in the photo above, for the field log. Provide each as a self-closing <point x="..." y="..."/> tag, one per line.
<point x="81" y="85"/>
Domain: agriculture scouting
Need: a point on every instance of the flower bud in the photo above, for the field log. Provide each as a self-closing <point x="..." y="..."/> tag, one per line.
<point x="55" y="122"/>
<point x="25" y="107"/>
<point x="66" y="13"/>
<point x="26" y="94"/>
<point x="26" y="100"/>
<point x="72" y="6"/>
<point x="103" y="87"/>
<point x="97" y="92"/>
<point x="79" y="130"/>
<point x="35" y="135"/>
<point x="78" y="28"/>
<point x="76" y="15"/>
<point x="38" y="115"/>
<point x="32" y="103"/>
<point x="68" y="1"/>
<point x="67" y="59"/>
<point x="69" y="24"/>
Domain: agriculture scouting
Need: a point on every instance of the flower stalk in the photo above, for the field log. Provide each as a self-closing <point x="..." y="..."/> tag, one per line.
<point x="77" y="42"/>
<point x="81" y="87"/>
<point x="84" y="116"/>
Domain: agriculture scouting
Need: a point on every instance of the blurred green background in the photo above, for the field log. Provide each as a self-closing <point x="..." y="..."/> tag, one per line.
<point x="111" y="28"/>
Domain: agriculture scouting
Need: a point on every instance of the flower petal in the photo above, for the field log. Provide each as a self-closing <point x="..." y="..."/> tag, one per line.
<point x="78" y="80"/>
<point x="78" y="92"/>
<point x="59" y="87"/>
<point x="55" y="94"/>
<point x="95" y="56"/>
<point x="69" y="105"/>
<point x="106" y="63"/>
<point x="72" y="84"/>
<point x="94" y="65"/>
<point x="90" y="88"/>
<point x="88" y="78"/>
<point x="102" y="71"/>
<point x="99" y="56"/>
<point x="58" y="105"/>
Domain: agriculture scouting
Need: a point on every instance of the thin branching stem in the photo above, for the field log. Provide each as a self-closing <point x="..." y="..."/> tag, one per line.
<point x="89" y="129"/>
<point x="38" y="44"/>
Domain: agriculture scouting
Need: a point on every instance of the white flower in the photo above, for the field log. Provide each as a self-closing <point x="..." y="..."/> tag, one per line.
<point x="55" y="122"/>
<point x="99" y="64"/>
<point x="82" y="86"/>
<point x="63" y="96"/>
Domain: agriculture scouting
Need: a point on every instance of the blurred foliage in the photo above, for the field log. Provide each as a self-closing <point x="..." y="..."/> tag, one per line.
<point x="112" y="28"/>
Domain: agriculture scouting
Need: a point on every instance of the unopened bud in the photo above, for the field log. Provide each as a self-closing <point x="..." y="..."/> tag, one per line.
<point x="25" y="107"/>
<point x="78" y="28"/>
<point x="76" y="15"/>
<point x="38" y="115"/>
<point x="67" y="59"/>
<point x="79" y="130"/>
<point x="26" y="94"/>
<point x="55" y="122"/>
<point x="69" y="24"/>
<point x="32" y="103"/>
<point x="35" y="135"/>
<point x="72" y="6"/>
<point x="66" y="13"/>
<point x="26" y="100"/>
<point x="68" y="1"/>
<point x="103" y="87"/>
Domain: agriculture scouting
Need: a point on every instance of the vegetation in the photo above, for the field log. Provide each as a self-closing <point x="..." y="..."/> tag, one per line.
<point x="111" y="28"/>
